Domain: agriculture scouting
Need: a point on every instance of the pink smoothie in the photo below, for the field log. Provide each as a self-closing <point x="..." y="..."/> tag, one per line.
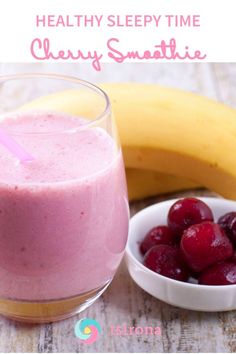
<point x="64" y="216"/>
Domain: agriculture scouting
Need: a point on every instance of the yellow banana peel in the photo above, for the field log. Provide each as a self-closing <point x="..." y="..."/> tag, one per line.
<point x="145" y="183"/>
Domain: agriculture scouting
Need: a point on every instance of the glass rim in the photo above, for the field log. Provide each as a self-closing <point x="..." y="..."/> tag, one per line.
<point x="54" y="76"/>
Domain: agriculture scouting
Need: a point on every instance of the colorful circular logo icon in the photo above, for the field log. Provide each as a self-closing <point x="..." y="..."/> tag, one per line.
<point x="87" y="329"/>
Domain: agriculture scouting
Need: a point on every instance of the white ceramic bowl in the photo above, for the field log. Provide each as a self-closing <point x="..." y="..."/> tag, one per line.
<point x="185" y="295"/>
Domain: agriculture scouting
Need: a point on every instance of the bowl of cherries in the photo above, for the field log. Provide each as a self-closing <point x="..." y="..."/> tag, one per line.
<point x="183" y="252"/>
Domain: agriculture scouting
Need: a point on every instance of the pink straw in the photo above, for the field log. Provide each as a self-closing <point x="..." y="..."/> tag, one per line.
<point x="14" y="147"/>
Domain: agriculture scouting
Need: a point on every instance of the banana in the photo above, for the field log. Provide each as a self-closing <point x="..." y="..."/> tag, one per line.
<point x="168" y="130"/>
<point x="178" y="133"/>
<point x="144" y="183"/>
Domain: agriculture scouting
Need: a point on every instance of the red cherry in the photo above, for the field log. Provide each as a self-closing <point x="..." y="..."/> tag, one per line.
<point x="219" y="274"/>
<point x="157" y="236"/>
<point x="233" y="258"/>
<point x="166" y="260"/>
<point x="187" y="212"/>
<point x="205" y="244"/>
<point x="228" y="224"/>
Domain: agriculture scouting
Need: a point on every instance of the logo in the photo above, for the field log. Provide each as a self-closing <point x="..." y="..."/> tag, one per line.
<point x="87" y="329"/>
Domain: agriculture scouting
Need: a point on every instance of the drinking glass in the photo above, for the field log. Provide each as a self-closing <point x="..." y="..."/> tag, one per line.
<point x="64" y="211"/>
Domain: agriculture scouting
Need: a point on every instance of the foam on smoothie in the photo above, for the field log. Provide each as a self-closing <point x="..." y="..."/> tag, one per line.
<point x="63" y="148"/>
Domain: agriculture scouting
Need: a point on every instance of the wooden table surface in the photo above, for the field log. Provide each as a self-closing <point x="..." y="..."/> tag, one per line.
<point x="124" y="302"/>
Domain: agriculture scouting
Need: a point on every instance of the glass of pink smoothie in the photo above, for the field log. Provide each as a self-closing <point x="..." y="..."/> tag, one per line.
<point x="64" y="214"/>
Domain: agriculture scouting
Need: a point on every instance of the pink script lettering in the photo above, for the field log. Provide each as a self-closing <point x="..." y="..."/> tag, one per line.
<point x="41" y="50"/>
